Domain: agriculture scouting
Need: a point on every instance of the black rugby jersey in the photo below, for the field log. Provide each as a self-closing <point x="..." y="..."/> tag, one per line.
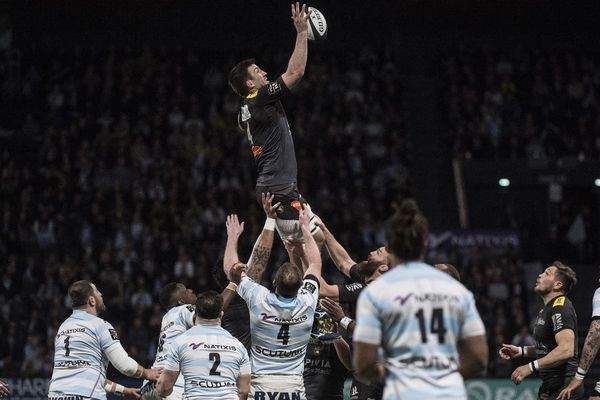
<point x="324" y="374"/>
<point x="557" y="314"/>
<point x="236" y="320"/>
<point x="263" y="119"/>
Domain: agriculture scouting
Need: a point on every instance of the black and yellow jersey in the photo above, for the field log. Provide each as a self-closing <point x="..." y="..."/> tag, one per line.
<point x="263" y="119"/>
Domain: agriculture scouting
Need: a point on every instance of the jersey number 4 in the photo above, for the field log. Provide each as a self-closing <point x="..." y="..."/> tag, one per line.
<point x="284" y="333"/>
<point x="437" y="325"/>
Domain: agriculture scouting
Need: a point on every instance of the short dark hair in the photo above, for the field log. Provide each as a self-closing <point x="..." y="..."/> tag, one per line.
<point x="80" y="292"/>
<point x="168" y="295"/>
<point x="209" y="305"/>
<point x="288" y="279"/>
<point x="366" y="268"/>
<point x="239" y="75"/>
<point x="449" y="269"/>
<point x="406" y="231"/>
<point x="566" y="275"/>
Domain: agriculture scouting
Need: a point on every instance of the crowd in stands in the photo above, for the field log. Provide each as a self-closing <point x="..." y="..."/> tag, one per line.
<point x="120" y="165"/>
<point x="523" y="104"/>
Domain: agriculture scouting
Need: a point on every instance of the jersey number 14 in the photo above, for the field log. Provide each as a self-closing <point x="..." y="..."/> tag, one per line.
<point x="437" y="326"/>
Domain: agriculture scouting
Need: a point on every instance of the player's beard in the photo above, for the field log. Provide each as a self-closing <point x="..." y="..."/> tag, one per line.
<point x="100" y="307"/>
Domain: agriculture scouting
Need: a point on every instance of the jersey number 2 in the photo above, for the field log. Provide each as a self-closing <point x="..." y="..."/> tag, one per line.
<point x="216" y="357"/>
<point x="437" y="324"/>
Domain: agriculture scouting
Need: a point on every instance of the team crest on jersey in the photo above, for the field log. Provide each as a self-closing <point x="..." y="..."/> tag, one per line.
<point x="191" y="307"/>
<point x="559" y="302"/>
<point x="297" y="205"/>
<point x="256" y="150"/>
<point x="273" y="87"/>
<point x="113" y="334"/>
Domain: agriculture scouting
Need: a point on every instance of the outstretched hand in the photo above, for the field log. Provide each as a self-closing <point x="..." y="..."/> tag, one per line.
<point x="300" y="17"/>
<point x="304" y="217"/>
<point x="234" y="227"/>
<point x="268" y="207"/>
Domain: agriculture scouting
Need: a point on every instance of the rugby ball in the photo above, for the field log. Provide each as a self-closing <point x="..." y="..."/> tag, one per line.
<point x="317" y="25"/>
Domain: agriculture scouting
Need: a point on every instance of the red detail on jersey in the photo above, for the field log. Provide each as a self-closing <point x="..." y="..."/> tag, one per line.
<point x="296" y="204"/>
<point x="256" y="150"/>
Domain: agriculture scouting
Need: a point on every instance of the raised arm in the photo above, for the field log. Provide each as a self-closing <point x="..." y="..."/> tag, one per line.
<point x="297" y="63"/>
<point x="262" y="248"/>
<point x="338" y="254"/>
<point x="234" y="230"/>
<point x="313" y="256"/>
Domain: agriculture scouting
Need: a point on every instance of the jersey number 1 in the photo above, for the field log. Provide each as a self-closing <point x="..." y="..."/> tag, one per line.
<point x="437" y="324"/>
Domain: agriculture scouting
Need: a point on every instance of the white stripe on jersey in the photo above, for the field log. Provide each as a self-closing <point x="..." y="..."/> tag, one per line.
<point x="280" y="326"/>
<point x="417" y="314"/>
<point x="210" y="361"/>
<point x="176" y="321"/>
<point x="79" y="355"/>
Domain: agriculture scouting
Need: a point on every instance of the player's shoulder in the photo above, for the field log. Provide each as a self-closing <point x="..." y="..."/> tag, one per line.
<point x="597" y="294"/>
<point x="561" y="302"/>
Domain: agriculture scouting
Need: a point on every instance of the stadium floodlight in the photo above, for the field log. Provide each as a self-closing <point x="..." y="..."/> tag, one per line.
<point x="504" y="182"/>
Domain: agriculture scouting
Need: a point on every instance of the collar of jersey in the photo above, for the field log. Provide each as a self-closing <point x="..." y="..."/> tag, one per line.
<point x="285" y="299"/>
<point x="252" y="95"/>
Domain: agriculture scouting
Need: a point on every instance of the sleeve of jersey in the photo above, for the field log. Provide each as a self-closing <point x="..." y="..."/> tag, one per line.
<point x="349" y="293"/>
<point x="251" y="291"/>
<point x="245" y="362"/>
<point x="354" y="275"/>
<point x="563" y="318"/>
<point x="596" y="305"/>
<point x="271" y="92"/>
<point x="472" y="323"/>
<point x="368" y="324"/>
<point x="187" y="316"/>
<point x="172" y="360"/>
<point x="107" y="335"/>
<point x="311" y="285"/>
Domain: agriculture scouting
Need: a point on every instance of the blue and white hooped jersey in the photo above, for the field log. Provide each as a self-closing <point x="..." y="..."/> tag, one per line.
<point x="210" y="361"/>
<point x="280" y="326"/>
<point x="176" y="321"/>
<point x="417" y="314"/>
<point x="79" y="355"/>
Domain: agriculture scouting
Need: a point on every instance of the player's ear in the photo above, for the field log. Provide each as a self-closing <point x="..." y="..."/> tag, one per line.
<point x="250" y="84"/>
<point x="91" y="301"/>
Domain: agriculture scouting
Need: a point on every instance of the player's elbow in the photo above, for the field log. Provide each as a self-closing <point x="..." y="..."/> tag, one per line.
<point x="162" y="389"/>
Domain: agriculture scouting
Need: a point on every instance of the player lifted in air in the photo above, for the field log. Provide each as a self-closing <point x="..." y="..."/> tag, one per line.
<point x="263" y="119"/>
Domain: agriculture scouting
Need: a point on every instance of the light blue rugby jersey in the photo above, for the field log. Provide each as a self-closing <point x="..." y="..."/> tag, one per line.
<point x="280" y="326"/>
<point x="417" y="314"/>
<point x="210" y="360"/>
<point x="79" y="355"/>
<point x="175" y="321"/>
